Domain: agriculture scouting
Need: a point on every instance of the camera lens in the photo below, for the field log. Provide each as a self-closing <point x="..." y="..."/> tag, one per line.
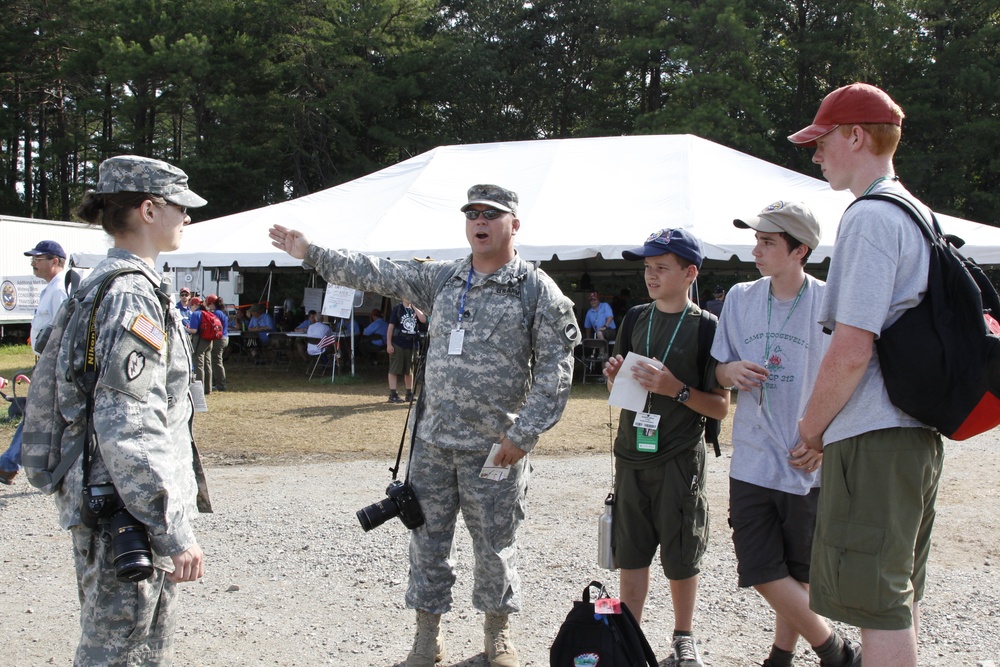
<point x="133" y="558"/>
<point x="378" y="513"/>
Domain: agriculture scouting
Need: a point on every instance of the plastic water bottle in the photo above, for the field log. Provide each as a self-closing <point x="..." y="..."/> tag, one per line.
<point x="605" y="556"/>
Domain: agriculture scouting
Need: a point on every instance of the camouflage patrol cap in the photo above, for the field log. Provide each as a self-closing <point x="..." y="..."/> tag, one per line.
<point x="133" y="173"/>
<point x="492" y="195"/>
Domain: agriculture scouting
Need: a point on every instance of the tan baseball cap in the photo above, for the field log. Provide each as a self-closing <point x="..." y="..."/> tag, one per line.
<point x="793" y="218"/>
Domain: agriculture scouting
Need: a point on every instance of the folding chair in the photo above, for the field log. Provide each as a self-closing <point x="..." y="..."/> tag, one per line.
<point x="595" y="354"/>
<point x="329" y="348"/>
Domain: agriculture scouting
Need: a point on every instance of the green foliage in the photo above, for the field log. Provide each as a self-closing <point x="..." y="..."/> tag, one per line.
<point x="263" y="100"/>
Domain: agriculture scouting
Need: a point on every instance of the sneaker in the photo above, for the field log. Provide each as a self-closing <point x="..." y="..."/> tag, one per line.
<point x="395" y="398"/>
<point x="686" y="652"/>
<point x="7" y="477"/>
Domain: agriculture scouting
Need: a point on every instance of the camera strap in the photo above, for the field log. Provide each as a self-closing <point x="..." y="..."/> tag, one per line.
<point x="418" y="383"/>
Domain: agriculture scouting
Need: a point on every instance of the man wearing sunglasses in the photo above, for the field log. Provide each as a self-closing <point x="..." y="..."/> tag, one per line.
<point x="48" y="259"/>
<point x="498" y="372"/>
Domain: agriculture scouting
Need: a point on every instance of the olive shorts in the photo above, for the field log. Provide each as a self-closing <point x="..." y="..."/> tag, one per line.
<point x="667" y="507"/>
<point x="873" y="530"/>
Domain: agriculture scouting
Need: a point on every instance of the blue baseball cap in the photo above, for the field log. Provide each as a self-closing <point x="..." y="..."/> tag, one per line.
<point x="680" y="242"/>
<point x="47" y="248"/>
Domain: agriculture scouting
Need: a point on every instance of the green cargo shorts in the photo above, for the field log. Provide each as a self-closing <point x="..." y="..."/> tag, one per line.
<point x="873" y="529"/>
<point x="666" y="507"/>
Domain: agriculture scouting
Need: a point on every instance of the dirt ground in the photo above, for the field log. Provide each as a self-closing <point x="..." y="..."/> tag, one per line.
<point x="275" y="431"/>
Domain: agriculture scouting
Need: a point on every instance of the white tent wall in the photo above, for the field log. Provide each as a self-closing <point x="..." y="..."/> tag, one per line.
<point x="579" y="198"/>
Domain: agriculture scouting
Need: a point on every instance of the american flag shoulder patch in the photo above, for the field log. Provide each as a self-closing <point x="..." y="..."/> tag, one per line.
<point x="148" y="331"/>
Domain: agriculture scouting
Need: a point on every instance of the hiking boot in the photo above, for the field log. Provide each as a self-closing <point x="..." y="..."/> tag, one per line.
<point x="853" y="651"/>
<point x="428" y="647"/>
<point x="394" y="397"/>
<point x="7" y="477"/>
<point x="500" y="651"/>
<point x="686" y="652"/>
<point x="409" y="395"/>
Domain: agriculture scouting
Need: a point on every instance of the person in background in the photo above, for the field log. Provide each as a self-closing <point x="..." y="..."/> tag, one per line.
<point x="201" y="349"/>
<point x="48" y="260"/>
<point x="262" y="324"/>
<point x="406" y="323"/>
<point x="300" y="343"/>
<point x="374" y="335"/>
<point x="141" y="419"/>
<point x="599" y="322"/>
<point x="474" y="401"/>
<point x="714" y="305"/>
<point x="184" y="304"/>
<point x="218" y="368"/>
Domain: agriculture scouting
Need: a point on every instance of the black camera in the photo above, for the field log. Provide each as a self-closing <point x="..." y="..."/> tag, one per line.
<point x="133" y="557"/>
<point x="400" y="501"/>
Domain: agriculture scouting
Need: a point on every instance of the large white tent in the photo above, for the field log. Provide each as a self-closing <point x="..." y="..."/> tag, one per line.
<point x="579" y="198"/>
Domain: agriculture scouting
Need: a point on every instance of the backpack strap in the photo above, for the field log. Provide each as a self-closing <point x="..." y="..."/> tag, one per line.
<point x="87" y="379"/>
<point x="706" y="335"/>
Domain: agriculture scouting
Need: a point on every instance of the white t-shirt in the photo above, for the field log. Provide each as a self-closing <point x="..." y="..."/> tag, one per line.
<point x="878" y="270"/>
<point x="317" y="330"/>
<point x="764" y="432"/>
<point x="51" y="297"/>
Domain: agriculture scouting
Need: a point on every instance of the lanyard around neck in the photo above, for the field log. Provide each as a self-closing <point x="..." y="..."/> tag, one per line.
<point x="461" y="302"/>
<point x="649" y="330"/>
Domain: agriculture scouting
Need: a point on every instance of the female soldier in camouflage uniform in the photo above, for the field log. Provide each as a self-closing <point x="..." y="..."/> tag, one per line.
<point x="142" y="411"/>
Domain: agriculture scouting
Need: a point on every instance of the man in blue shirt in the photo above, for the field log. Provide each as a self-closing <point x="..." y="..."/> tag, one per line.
<point x="374" y="336"/>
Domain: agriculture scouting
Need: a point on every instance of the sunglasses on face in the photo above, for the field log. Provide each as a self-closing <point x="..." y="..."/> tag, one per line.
<point x="489" y="214"/>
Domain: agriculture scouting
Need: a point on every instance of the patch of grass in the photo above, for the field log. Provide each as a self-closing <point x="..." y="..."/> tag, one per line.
<point x="273" y="416"/>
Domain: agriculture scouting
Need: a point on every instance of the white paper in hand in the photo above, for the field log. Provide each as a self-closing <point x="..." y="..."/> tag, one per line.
<point x="491" y="470"/>
<point x="626" y="392"/>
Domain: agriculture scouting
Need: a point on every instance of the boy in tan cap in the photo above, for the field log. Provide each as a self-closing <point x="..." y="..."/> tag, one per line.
<point x="770" y="346"/>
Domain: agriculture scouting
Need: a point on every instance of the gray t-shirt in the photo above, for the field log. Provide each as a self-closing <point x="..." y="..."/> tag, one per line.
<point x="765" y="432"/>
<point x="879" y="269"/>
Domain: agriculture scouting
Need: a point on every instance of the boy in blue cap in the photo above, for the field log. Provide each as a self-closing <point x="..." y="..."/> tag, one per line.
<point x="661" y="499"/>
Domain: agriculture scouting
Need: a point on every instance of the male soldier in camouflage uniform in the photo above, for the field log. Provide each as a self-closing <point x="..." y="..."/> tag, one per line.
<point x="141" y="417"/>
<point x="488" y="379"/>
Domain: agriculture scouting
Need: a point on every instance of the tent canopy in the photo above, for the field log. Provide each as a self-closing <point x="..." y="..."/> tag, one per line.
<point x="579" y="198"/>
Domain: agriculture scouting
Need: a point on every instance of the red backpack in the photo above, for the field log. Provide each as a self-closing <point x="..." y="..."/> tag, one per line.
<point x="210" y="327"/>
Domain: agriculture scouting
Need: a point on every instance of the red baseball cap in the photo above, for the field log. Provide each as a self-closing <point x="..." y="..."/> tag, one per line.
<point x="849" y="105"/>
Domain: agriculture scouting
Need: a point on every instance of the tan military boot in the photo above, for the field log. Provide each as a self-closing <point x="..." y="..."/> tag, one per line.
<point x="500" y="649"/>
<point x="428" y="647"/>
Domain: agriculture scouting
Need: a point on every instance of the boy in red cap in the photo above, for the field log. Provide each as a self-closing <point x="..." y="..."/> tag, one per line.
<point x="881" y="467"/>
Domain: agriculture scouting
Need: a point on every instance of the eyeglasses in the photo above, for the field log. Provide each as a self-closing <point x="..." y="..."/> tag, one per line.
<point x="489" y="214"/>
<point x="47" y="258"/>
<point x="182" y="209"/>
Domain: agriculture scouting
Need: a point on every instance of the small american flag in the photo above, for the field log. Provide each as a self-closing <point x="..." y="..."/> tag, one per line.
<point x="327" y="341"/>
<point x="146" y="329"/>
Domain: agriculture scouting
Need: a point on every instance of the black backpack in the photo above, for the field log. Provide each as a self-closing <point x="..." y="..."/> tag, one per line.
<point x="940" y="359"/>
<point x="600" y="640"/>
<point x="706" y="334"/>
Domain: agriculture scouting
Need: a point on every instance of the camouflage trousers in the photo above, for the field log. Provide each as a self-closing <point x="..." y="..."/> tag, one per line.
<point x="446" y="481"/>
<point x="122" y="624"/>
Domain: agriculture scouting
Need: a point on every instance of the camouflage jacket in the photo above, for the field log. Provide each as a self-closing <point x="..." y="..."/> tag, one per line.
<point x="498" y="385"/>
<point x="142" y="409"/>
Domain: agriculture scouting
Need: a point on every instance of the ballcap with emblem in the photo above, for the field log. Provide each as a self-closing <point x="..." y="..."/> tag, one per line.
<point x="492" y="195"/>
<point x="46" y="248"/>
<point x="794" y="218"/>
<point x="850" y="105"/>
<point x="134" y="173"/>
<point x="679" y="242"/>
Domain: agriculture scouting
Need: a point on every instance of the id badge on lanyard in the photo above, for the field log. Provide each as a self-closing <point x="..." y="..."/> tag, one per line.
<point x="646" y="432"/>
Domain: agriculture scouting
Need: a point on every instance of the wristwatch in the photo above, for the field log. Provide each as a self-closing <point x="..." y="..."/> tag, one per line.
<point x="683" y="395"/>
